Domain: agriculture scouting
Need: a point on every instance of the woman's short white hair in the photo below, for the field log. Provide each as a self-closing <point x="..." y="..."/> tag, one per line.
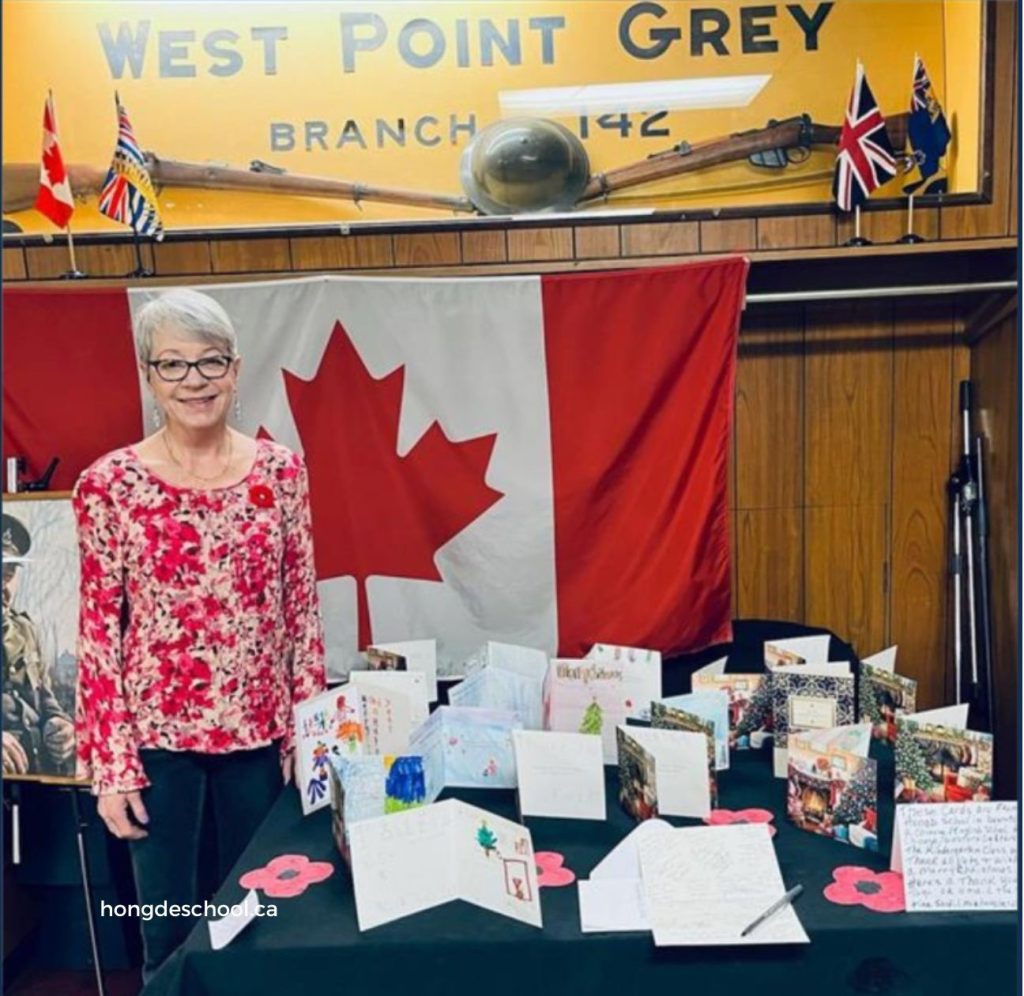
<point x="197" y="315"/>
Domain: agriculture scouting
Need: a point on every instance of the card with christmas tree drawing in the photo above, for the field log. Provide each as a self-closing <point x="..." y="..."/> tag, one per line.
<point x="665" y="772"/>
<point x="750" y="702"/>
<point x="641" y="669"/>
<point x="833" y="786"/>
<point x="420" y="858"/>
<point x="582" y="696"/>
<point x="938" y="760"/>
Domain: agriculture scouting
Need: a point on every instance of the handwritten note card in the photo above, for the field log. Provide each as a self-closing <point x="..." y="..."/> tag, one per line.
<point x="560" y="775"/>
<point x="960" y="857"/>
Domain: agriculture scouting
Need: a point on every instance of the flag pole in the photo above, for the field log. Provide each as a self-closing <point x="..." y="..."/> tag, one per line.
<point x="858" y="239"/>
<point x="74" y="273"/>
<point x="140" y="267"/>
<point x="910" y="237"/>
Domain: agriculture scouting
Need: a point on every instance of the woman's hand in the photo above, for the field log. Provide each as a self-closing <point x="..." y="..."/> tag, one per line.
<point x="288" y="767"/>
<point x="114" y="810"/>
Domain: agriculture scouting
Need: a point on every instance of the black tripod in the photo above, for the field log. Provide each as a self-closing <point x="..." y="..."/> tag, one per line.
<point x="969" y="568"/>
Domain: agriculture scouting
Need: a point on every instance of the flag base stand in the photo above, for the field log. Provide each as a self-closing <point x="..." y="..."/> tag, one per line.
<point x="73" y="275"/>
<point x="910" y="239"/>
<point x="858" y="240"/>
<point x="139" y="271"/>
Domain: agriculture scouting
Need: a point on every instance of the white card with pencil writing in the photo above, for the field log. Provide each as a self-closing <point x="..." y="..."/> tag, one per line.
<point x="559" y="775"/>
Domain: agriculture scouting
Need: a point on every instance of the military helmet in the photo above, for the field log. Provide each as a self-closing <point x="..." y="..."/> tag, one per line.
<point x="524" y="165"/>
<point x="16" y="540"/>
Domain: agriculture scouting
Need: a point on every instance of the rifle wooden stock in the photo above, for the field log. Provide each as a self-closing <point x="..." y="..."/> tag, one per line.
<point x="794" y="133"/>
<point x="21" y="184"/>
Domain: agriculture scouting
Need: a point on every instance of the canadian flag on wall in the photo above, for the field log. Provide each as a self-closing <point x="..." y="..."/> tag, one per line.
<point x="537" y="460"/>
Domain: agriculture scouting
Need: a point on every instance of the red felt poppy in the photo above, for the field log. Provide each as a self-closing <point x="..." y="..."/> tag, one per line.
<point x="261" y="496"/>
<point x="881" y="892"/>
<point x="551" y="870"/>
<point x="286" y="875"/>
<point x="725" y="817"/>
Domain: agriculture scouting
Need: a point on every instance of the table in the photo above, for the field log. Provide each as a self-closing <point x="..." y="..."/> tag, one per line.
<point x="314" y="945"/>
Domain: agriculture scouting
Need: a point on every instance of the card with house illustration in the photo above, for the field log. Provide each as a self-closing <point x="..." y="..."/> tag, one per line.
<point x="328" y="726"/>
<point x="466" y="748"/>
<point x="420" y="858"/>
<point x="883" y="696"/>
<point x="939" y="760"/>
<point x="711" y="707"/>
<point x="832" y="785"/>
<point x="750" y="705"/>
<point x="665" y="772"/>
<point x="665" y="717"/>
<point x="641" y="670"/>
<point x="582" y="696"/>
<point x="803" y="700"/>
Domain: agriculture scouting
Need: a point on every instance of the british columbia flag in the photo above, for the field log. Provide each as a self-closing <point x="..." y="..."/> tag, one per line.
<point x="128" y="195"/>
<point x="866" y="158"/>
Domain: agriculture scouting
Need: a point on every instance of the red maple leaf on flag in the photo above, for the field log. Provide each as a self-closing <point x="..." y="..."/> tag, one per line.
<point x="376" y="513"/>
<point x="53" y="164"/>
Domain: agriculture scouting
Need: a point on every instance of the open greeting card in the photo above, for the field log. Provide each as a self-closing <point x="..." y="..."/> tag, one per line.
<point x="809" y="697"/>
<point x="410" y="684"/>
<point x="833" y="785"/>
<point x="504" y="676"/>
<point x="559" y="775"/>
<point x="421" y="858"/>
<point x="939" y="760"/>
<point x="705" y="885"/>
<point x="328" y="726"/>
<point x="883" y="694"/>
<point x="407" y="655"/>
<point x="796" y="650"/>
<point x="961" y="858"/>
<point x="466" y="748"/>
<point x="365" y="787"/>
<point x="642" y="670"/>
<point x="749" y="698"/>
<point x="612" y="899"/>
<point x="665" y="772"/>
<point x="679" y="712"/>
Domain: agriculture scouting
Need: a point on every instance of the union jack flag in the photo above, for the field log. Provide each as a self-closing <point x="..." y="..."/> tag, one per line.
<point x="866" y="158"/>
<point x="127" y="195"/>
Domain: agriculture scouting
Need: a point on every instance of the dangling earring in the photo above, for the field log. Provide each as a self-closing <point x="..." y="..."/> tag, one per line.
<point x="157" y="420"/>
<point x="238" y="408"/>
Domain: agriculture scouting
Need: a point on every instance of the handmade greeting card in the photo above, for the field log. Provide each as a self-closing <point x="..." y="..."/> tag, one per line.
<point x="957" y="858"/>
<point x="582" y="696"/>
<point x="750" y="704"/>
<point x="527" y="661"/>
<point x="642" y="670"/>
<point x="559" y="774"/>
<point x="833" y="785"/>
<point x="328" y="725"/>
<point x="414" y="860"/>
<point x="711" y="707"/>
<point x="883" y="696"/>
<point x="411" y="684"/>
<point x="707" y="885"/>
<point x="466" y="748"/>
<point x="418" y="655"/>
<point x="665" y="772"/>
<point x="497" y="686"/>
<point x="938" y="760"/>
<point x="803" y="699"/>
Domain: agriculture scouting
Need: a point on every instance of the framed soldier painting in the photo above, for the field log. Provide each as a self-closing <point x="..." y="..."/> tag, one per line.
<point x="40" y="628"/>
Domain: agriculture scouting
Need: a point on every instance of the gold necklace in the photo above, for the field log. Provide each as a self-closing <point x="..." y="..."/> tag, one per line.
<point x="191" y="473"/>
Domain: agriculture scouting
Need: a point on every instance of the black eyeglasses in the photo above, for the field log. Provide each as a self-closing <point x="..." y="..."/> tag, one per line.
<point x="210" y="367"/>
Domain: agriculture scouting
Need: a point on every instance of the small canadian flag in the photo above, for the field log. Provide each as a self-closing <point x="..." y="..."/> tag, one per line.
<point x="54" y="199"/>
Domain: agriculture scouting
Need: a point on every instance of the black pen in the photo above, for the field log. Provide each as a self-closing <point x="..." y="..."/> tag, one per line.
<point x="773" y="909"/>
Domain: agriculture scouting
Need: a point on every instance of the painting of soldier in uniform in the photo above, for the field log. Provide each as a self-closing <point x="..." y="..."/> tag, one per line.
<point x="40" y="626"/>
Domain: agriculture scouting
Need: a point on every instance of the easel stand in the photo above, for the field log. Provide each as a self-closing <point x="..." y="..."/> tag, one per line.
<point x="83" y="863"/>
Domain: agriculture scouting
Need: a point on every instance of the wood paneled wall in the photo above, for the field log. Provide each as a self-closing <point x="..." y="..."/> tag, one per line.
<point x="995" y="373"/>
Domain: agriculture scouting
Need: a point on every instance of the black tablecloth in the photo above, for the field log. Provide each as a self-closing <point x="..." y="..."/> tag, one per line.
<point x="314" y="944"/>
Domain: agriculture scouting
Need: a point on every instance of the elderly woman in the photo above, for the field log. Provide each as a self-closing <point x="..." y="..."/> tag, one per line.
<point x="199" y="624"/>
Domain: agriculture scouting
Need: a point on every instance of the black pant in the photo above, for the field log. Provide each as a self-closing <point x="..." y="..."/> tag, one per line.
<point x="241" y="786"/>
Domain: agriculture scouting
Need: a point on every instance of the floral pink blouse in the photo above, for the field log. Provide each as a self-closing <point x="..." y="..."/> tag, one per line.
<point x="199" y="624"/>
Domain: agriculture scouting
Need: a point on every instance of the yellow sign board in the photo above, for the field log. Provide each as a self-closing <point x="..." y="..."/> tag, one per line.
<point x="391" y="94"/>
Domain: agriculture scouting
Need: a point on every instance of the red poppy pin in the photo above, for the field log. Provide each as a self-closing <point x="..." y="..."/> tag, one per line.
<point x="261" y="496"/>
